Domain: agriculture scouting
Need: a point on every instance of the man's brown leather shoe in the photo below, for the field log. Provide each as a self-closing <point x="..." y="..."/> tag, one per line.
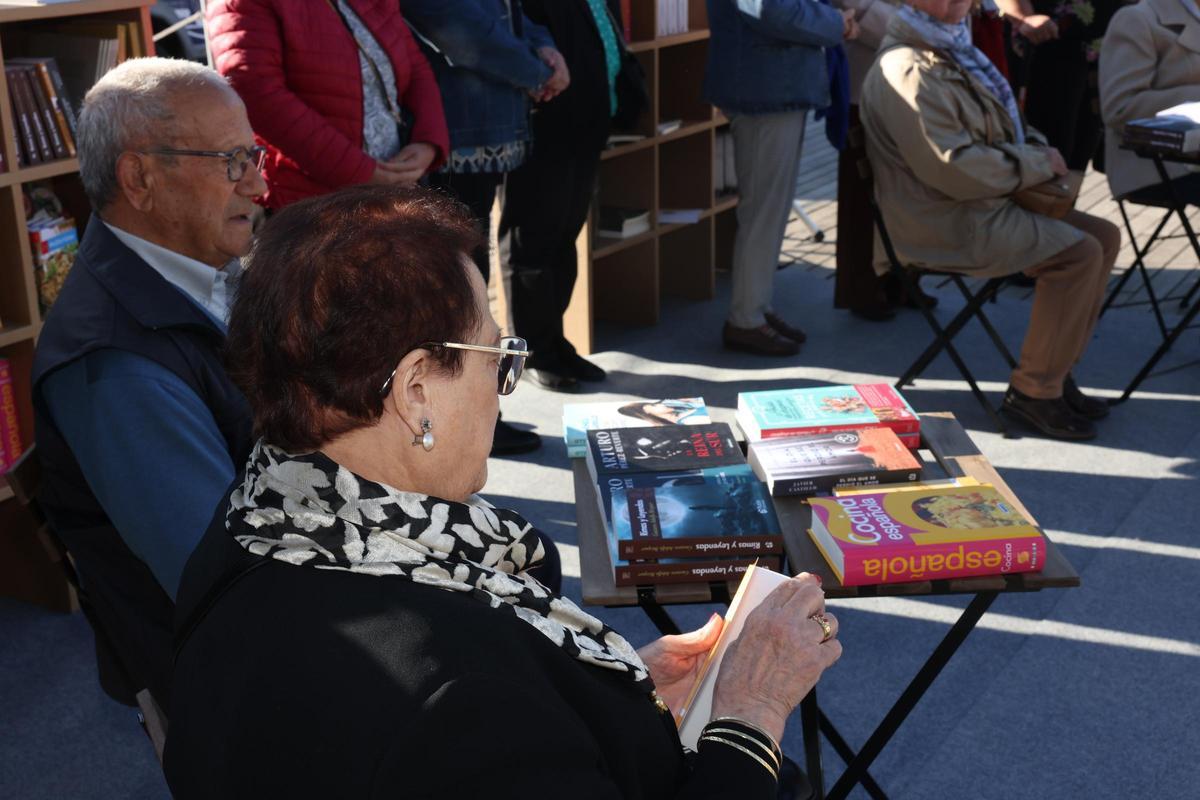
<point x="1052" y="417"/>
<point x="795" y="334"/>
<point x="764" y="340"/>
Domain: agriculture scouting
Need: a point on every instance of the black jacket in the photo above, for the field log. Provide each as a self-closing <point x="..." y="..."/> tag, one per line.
<point x="301" y="682"/>
<point x="113" y="299"/>
<point x="578" y="119"/>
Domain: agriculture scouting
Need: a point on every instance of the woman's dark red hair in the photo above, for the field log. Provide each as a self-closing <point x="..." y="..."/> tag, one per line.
<point x="336" y="290"/>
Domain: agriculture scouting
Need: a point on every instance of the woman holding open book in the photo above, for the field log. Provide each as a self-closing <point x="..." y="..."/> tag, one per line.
<point x="358" y="623"/>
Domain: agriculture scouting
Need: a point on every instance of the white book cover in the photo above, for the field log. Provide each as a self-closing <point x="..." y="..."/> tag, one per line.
<point x="756" y="584"/>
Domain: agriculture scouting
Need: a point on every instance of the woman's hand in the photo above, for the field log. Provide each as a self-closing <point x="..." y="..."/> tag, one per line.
<point x="410" y="164"/>
<point x="778" y="658"/>
<point x="675" y="661"/>
<point x="559" y="79"/>
<point x="849" y="25"/>
<point x="1057" y="162"/>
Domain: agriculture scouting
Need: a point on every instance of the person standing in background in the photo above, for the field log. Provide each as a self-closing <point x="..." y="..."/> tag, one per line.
<point x="490" y="62"/>
<point x="766" y="69"/>
<point x="337" y="91"/>
<point x="1061" y="42"/>
<point x="546" y="200"/>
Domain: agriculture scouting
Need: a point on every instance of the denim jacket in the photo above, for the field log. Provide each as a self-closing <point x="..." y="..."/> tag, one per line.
<point x="484" y="70"/>
<point x="767" y="55"/>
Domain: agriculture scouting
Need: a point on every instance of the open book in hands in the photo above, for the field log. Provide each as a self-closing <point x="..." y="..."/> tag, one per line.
<point x="691" y="718"/>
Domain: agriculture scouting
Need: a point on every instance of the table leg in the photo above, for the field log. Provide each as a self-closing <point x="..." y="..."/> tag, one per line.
<point x="658" y="615"/>
<point x="958" y="633"/>
<point x="810" y="715"/>
<point x="846" y="753"/>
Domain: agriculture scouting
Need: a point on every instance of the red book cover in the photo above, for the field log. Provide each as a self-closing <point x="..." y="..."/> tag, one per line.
<point x="924" y="534"/>
<point x="10" y="433"/>
<point x="627" y="19"/>
<point x="827" y="409"/>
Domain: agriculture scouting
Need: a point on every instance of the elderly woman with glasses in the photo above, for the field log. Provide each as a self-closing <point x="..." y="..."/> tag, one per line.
<point x="358" y="623"/>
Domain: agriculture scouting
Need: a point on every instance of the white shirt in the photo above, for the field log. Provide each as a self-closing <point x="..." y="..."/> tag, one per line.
<point x="208" y="287"/>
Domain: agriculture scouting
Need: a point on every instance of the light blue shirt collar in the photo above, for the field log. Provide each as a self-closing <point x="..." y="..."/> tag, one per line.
<point x="208" y="287"/>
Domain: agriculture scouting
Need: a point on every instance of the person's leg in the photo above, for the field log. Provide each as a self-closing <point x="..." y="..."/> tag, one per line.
<point x="546" y="203"/>
<point x="477" y="191"/>
<point x="766" y="155"/>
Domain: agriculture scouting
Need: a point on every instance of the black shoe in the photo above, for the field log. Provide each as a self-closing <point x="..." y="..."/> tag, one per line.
<point x="787" y="331"/>
<point x="554" y="380"/>
<point x="582" y="369"/>
<point x="764" y="341"/>
<point x="1020" y="279"/>
<point x="1092" y="408"/>
<point x="1052" y="417"/>
<point x="873" y="313"/>
<point x="509" y="441"/>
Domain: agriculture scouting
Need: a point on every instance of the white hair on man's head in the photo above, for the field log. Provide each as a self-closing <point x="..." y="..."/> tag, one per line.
<point x="132" y="106"/>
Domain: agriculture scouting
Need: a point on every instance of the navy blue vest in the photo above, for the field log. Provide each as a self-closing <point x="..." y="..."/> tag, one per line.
<point x="113" y="299"/>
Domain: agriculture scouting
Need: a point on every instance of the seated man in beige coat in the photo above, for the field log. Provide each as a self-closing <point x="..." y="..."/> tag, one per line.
<point x="949" y="149"/>
<point x="1150" y="61"/>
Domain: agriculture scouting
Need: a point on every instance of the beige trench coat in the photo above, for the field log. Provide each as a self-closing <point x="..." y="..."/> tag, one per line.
<point x="945" y="162"/>
<point x="1150" y="61"/>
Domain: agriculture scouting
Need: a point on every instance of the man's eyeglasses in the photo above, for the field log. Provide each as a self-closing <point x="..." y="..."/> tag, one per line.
<point x="513" y="352"/>
<point x="237" y="160"/>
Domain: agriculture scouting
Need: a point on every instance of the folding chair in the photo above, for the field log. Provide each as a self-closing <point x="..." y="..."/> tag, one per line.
<point x="24" y="477"/>
<point x="943" y="335"/>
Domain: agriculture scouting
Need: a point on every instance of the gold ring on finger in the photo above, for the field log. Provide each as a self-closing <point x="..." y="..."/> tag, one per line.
<point x="826" y="626"/>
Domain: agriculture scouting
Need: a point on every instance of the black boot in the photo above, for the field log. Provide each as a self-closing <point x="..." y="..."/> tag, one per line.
<point x="1052" y="417"/>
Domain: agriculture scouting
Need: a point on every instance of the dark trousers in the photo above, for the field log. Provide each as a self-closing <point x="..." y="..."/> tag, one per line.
<point x="546" y="202"/>
<point x="855" y="283"/>
<point x="1061" y="101"/>
<point x="477" y="191"/>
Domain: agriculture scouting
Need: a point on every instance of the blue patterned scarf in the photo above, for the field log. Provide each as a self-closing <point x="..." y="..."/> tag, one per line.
<point x="956" y="40"/>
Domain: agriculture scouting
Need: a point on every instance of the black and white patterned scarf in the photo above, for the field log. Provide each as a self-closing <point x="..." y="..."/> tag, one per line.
<point x="309" y="511"/>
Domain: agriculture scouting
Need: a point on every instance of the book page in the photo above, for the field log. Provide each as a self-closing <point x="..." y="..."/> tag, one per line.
<point x="756" y="584"/>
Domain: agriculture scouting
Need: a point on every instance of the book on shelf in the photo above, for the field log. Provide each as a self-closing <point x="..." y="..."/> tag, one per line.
<point x="820" y="463"/>
<point x="44" y="111"/>
<point x="622" y="223"/>
<point x="827" y="409"/>
<point x="55" y="242"/>
<point x="670" y="448"/>
<point x="1171" y="133"/>
<point x="924" y="534"/>
<point x="29" y="153"/>
<point x="668" y="126"/>
<point x="80" y="59"/>
<point x="627" y="19"/>
<point x="618" y="139"/>
<point x="55" y="92"/>
<point x="579" y="418"/>
<point x="10" y="431"/>
<point x="758" y="581"/>
<point x="679" y="216"/>
<point x="672" y="17"/>
<point x="706" y="519"/>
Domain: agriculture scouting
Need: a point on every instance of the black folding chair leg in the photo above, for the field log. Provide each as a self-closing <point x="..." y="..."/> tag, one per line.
<point x="942" y="337"/>
<point x="989" y="291"/>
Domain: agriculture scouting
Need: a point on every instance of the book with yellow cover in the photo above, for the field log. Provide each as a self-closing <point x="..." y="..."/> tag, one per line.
<point x="924" y="534"/>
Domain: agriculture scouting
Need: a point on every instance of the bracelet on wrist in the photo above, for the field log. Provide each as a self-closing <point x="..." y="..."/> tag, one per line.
<point x="712" y="737"/>
<point x="750" y="727"/>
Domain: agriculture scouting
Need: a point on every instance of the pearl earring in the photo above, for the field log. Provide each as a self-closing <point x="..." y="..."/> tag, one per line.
<point x="426" y="438"/>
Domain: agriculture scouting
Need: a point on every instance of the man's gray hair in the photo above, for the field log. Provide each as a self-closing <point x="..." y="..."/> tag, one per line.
<point x="131" y="107"/>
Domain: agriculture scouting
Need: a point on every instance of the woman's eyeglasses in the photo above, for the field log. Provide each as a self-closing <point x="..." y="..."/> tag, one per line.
<point x="513" y="352"/>
<point x="237" y="160"/>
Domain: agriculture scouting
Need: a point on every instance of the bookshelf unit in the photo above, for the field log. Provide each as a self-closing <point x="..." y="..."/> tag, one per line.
<point x="624" y="280"/>
<point x="21" y="572"/>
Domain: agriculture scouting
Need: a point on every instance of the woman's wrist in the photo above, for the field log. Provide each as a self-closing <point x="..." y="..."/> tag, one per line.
<point x="761" y="716"/>
<point x="736" y="734"/>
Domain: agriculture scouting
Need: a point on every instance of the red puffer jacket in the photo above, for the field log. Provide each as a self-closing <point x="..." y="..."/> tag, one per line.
<point x="296" y="67"/>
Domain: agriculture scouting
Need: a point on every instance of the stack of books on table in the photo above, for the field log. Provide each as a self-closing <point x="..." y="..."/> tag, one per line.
<point x="579" y="418"/>
<point x="1172" y="130"/>
<point x="680" y="504"/>
<point x="827" y="409"/>
<point x="918" y="533"/>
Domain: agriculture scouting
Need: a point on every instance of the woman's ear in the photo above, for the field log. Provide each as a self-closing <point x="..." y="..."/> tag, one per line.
<point x="409" y="395"/>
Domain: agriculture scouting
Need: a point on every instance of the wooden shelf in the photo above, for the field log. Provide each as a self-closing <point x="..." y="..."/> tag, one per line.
<point x="623" y="280"/>
<point x="18" y="333"/>
<point x="51" y="169"/>
<point x="11" y="13"/>
<point x="669" y="41"/>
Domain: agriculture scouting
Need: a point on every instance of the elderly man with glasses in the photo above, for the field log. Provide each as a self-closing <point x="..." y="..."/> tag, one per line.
<point x="138" y="427"/>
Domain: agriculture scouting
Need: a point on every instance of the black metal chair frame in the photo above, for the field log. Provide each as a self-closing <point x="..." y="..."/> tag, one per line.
<point x="943" y="335"/>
